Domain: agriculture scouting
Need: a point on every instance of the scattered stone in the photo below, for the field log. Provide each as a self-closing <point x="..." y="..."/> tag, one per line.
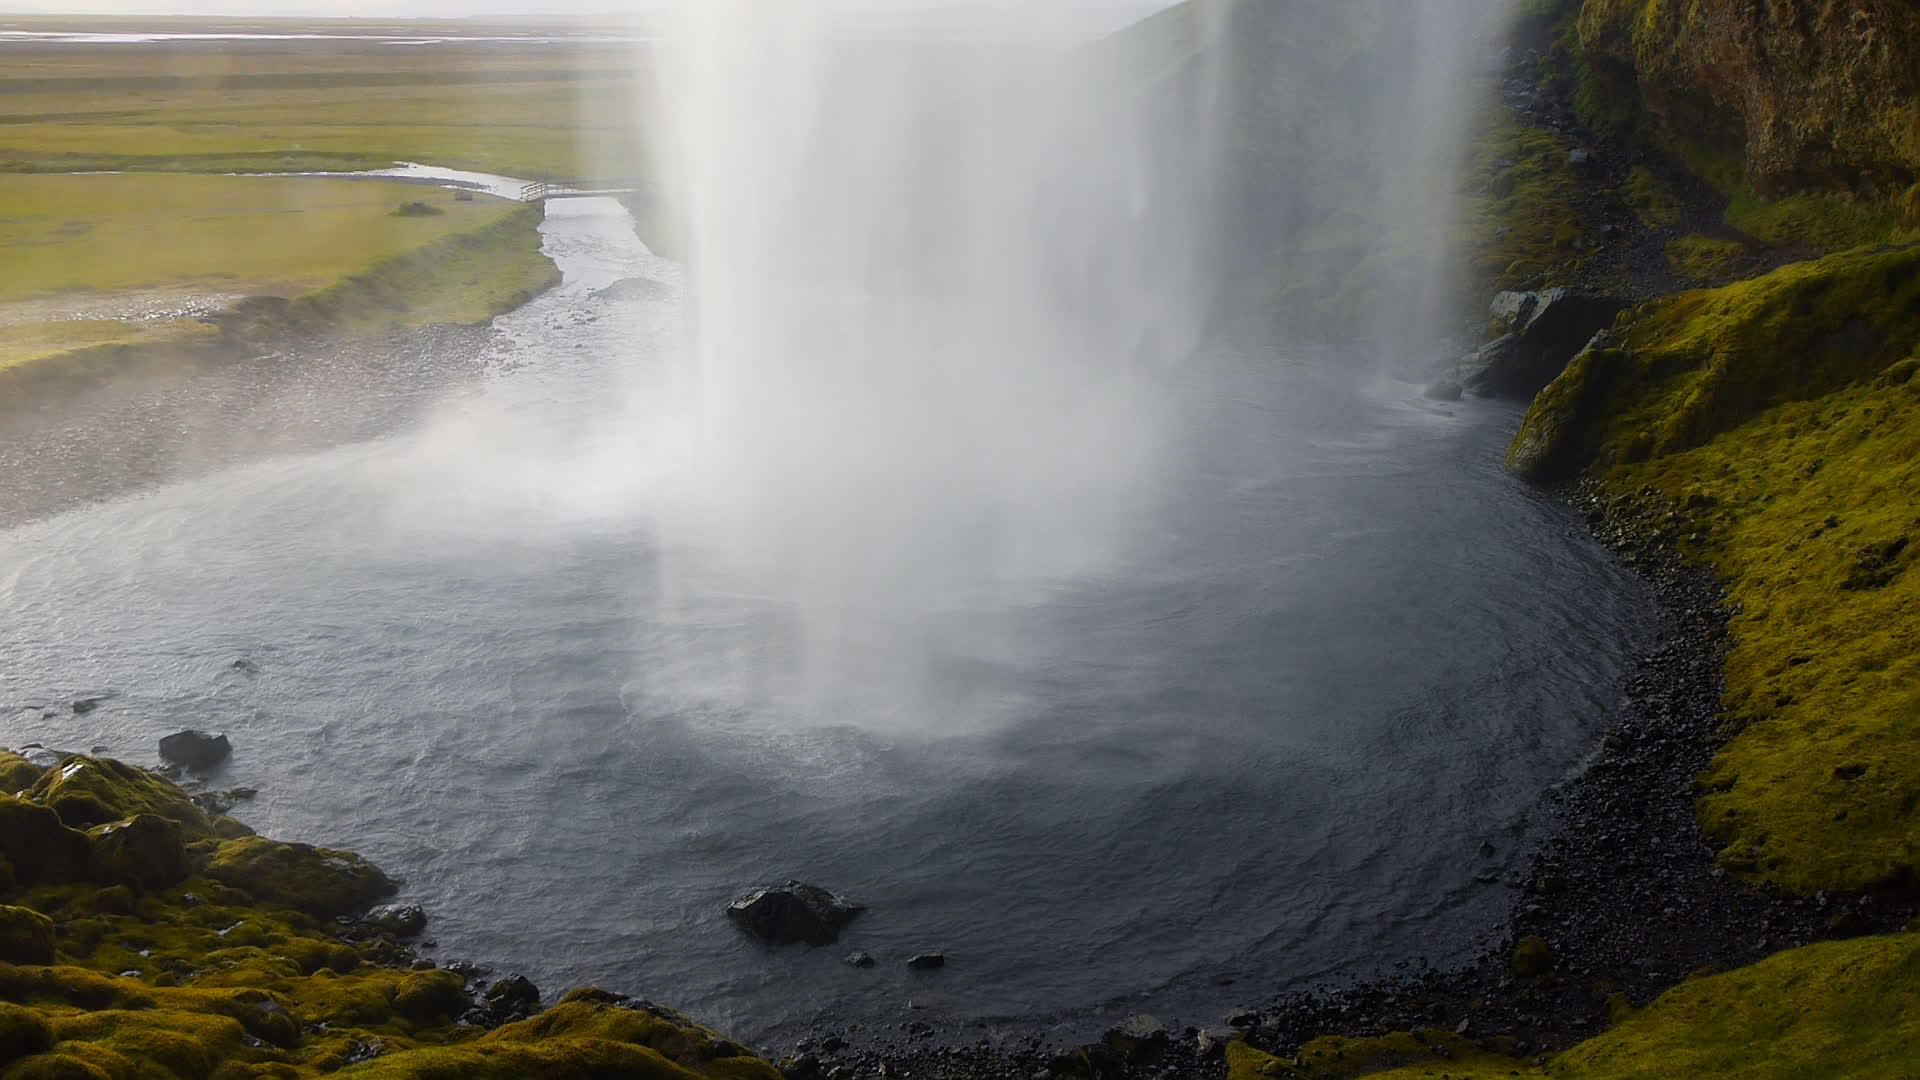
<point x="1137" y="1039"/>
<point x="927" y="961"/>
<point x="1579" y="158"/>
<point x="215" y="803"/>
<point x="793" y="912"/>
<point x="195" y="750"/>
<point x="859" y="960"/>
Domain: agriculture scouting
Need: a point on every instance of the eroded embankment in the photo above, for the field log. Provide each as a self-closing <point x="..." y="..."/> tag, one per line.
<point x="346" y="362"/>
<point x="460" y="279"/>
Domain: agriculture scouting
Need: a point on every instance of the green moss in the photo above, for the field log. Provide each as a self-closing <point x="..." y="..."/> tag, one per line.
<point x="431" y="995"/>
<point x="1525" y="217"/>
<point x="1699" y="258"/>
<point x="26" y="936"/>
<point x="1532" y="957"/>
<point x="1804" y="120"/>
<point x="1650" y="199"/>
<point x="88" y="791"/>
<point x="23" y="1032"/>
<point x="1561" y="422"/>
<point x="1785" y="410"/>
<point x="321" y="882"/>
<point x="1826" y="222"/>
<point x="37" y="844"/>
<point x="1835" y="1010"/>
<point x="569" y="1059"/>
<point x="1333" y="1057"/>
<point x="1813" y="515"/>
<point x="1705" y="362"/>
<point x="466" y="278"/>
<point x="16" y="773"/>
<point x="145" y="851"/>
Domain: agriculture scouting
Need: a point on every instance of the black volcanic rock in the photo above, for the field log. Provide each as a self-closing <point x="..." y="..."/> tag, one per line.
<point x="793" y="911"/>
<point x="195" y="750"/>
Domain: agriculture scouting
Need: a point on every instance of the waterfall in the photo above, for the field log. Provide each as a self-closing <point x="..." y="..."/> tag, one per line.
<point x="948" y="300"/>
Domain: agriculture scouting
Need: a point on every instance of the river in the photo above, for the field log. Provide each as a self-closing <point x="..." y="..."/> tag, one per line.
<point x="1268" y="745"/>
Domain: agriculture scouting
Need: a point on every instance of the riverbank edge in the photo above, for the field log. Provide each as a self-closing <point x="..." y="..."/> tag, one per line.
<point x="387" y="295"/>
<point x="144" y="933"/>
<point x="1619" y="903"/>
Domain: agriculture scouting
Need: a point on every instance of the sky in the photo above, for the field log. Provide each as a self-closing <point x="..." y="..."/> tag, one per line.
<point x="449" y="8"/>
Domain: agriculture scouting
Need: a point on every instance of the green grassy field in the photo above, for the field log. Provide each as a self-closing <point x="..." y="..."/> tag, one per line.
<point x="138" y="258"/>
<point x="525" y="109"/>
<point x="126" y="258"/>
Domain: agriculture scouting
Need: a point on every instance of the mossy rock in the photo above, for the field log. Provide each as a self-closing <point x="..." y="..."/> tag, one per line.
<point x="321" y="882"/>
<point x="672" y="1036"/>
<point x="23" y="1032"/>
<point x="1532" y="957"/>
<point x="1698" y="258"/>
<point x="144" y="851"/>
<point x="1334" y="1057"/>
<point x="427" y="996"/>
<point x="1554" y="436"/>
<point x="38" y="845"/>
<point x="17" y="774"/>
<point x="26" y="936"/>
<point x="88" y="791"/>
<point x="1705" y="362"/>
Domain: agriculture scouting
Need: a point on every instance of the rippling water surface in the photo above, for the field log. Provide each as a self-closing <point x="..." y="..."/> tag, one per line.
<point x="1266" y="747"/>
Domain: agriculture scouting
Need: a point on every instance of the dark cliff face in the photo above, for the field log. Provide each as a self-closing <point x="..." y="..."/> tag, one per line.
<point x="1812" y="94"/>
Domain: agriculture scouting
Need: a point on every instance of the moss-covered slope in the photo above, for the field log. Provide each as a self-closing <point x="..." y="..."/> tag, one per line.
<point x="1836" y="1010"/>
<point x="1782" y="418"/>
<point x="142" y="940"/>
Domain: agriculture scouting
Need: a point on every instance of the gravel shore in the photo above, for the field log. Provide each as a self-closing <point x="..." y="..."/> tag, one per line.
<point x="141" y="431"/>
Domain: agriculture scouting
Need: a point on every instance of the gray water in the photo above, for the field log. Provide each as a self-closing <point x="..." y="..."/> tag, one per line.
<point x="1263" y="744"/>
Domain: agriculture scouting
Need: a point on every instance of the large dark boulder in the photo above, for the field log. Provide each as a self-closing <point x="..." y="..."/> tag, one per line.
<point x="791" y="912"/>
<point x="1545" y="330"/>
<point x="195" y="750"/>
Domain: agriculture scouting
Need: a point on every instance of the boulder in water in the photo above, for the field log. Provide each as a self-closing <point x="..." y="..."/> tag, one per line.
<point x="195" y="750"/>
<point x="793" y="911"/>
<point x="400" y="920"/>
<point x="927" y="961"/>
<point x="506" y="1001"/>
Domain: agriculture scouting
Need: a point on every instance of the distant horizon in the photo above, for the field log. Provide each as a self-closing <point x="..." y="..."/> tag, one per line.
<point x="519" y="9"/>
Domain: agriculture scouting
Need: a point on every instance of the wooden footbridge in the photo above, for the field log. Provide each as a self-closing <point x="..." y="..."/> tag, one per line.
<point x="541" y="190"/>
